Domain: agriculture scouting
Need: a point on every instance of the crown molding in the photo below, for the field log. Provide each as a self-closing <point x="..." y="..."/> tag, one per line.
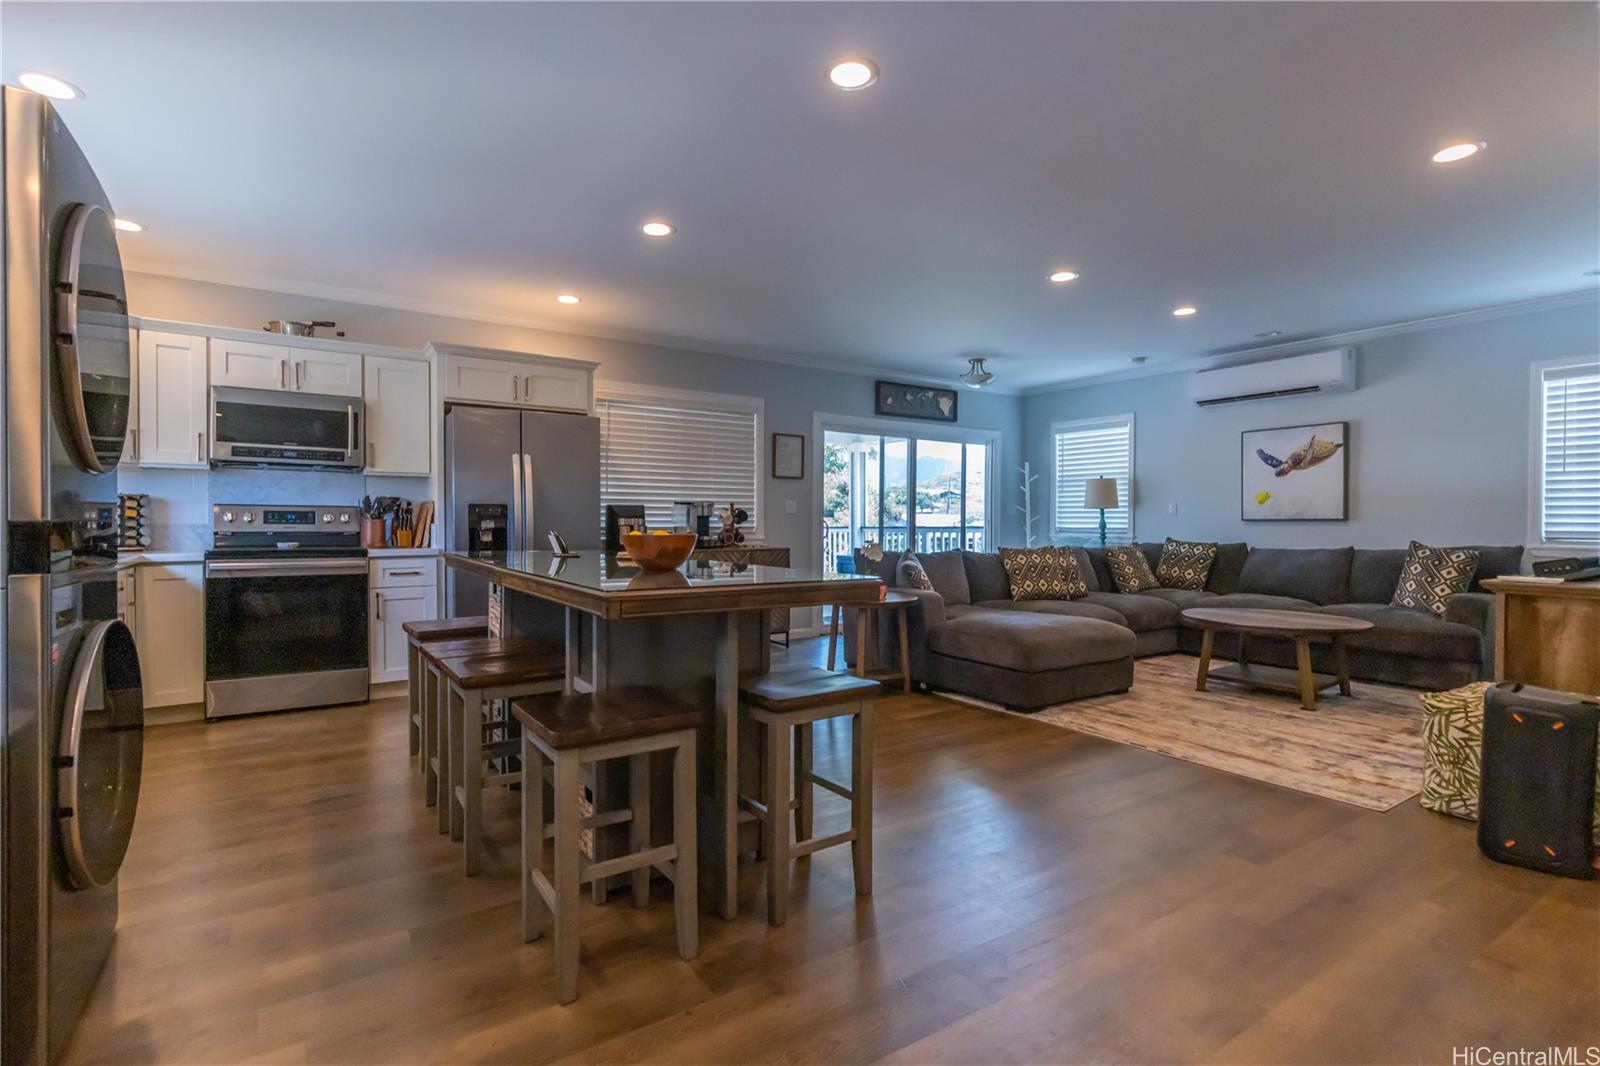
<point x="441" y="309"/>
<point x="1240" y="356"/>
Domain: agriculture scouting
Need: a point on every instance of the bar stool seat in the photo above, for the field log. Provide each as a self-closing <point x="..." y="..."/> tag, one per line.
<point x="470" y="675"/>
<point x="419" y="633"/>
<point x="569" y="730"/>
<point x="786" y="704"/>
<point x="432" y="689"/>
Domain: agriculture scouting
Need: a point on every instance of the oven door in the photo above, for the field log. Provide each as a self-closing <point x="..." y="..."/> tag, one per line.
<point x="285" y="633"/>
<point x="257" y="427"/>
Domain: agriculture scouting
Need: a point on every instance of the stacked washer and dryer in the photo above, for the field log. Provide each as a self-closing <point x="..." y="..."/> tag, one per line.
<point x="73" y="713"/>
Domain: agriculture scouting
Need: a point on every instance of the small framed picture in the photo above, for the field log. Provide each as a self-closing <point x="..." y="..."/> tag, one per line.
<point x="789" y="455"/>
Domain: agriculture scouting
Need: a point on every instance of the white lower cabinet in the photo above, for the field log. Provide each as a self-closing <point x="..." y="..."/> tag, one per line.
<point x="394" y="600"/>
<point x="170" y="600"/>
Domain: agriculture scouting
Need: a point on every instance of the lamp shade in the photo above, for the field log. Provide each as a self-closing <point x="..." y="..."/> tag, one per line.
<point x="1100" y="492"/>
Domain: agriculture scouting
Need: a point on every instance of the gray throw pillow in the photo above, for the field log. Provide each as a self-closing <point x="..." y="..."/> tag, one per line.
<point x="911" y="574"/>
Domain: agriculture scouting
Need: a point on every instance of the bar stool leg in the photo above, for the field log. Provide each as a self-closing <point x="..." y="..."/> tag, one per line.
<point x="685" y="887"/>
<point x="471" y="779"/>
<point x="780" y="762"/>
<point x="833" y="634"/>
<point x="639" y="823"/>
<point x="443" y="718"/>
<point x="861" y="791"/>
<point x="413" y="692"/>
<point x="805" y="795"/>
<point x="456" y="706"/>
<point x="567" y="860"/>
<point x="532" y="835"/>
<point x="427" y="696"/>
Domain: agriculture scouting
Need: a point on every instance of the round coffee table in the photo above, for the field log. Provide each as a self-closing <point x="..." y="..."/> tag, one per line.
<point x="1301" y="626"/>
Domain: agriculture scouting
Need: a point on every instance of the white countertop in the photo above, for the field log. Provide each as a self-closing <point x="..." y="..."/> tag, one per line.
<point x="399" y="553"/>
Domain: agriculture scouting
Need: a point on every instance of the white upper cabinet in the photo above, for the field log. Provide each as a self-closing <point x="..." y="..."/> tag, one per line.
<point x="399" y="414"/>
<point x="281" y="368"/>
<point x="172" y="400"/>
<point x="249" y="365"/>
<point x="480" y="375"/>
<point x="130" y="443"/>
<point x="327" y="373"/>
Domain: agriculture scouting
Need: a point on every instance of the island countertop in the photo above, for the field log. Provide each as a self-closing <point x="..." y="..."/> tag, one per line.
<point x="606" y="587"/>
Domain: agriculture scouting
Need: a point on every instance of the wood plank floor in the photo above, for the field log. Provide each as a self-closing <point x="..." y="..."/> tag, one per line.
<point x="1041" y="896"/>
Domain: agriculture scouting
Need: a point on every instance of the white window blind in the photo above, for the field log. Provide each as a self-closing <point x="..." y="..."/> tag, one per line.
<point x="657" y="450"/>
<point x="1569" y="481"/>
<point x="1101" y="447"/>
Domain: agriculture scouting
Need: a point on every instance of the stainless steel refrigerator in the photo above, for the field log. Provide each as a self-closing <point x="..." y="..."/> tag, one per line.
<point x="73" y="708"/>
<point x="541" y="467"/>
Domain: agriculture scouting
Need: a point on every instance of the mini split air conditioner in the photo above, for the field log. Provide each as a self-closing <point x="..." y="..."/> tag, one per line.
<point x="1300" y="375"/>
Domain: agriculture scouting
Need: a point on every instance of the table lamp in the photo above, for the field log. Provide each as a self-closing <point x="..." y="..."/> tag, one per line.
<point x="1100" y="494"/>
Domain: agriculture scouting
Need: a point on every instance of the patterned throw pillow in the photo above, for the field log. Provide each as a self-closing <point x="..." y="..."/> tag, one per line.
<point x="1130" y="569"/>
<point x="911" y="575"/>
<point x="1430" y="576"/>
<point x="1185" y="564"/>
<point x="1072" y="577"/>
<point x="1036" y="574"/>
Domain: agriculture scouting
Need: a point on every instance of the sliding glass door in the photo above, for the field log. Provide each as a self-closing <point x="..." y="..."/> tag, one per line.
<point x="928" y="493"/>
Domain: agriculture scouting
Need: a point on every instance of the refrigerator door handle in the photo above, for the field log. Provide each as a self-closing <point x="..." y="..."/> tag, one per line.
<point x="527" y="504"/>
<point x="514" y="535"/>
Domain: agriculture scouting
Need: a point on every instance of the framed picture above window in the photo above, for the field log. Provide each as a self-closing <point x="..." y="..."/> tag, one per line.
<point x="900" y="400"/>
<point x="789" y="455"/>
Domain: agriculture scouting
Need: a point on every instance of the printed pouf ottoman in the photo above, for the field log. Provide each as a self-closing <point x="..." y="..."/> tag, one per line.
<point x="1452" y="737"/>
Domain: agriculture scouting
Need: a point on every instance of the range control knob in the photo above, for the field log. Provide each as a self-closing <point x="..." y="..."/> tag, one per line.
<point x="344" y="518"/>
<point x="248" y="516"/>
<point x="227" y="516"/>
<point x="326" y="517"/>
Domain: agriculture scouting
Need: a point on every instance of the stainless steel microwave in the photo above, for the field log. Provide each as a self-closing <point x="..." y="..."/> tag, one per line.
<point x="260" y="427"/>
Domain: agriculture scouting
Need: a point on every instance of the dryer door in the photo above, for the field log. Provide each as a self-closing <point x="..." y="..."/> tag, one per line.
<point x="101" y="755"/>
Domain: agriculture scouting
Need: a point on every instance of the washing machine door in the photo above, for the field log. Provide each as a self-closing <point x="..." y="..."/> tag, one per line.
<point x="100" y="756"/>
<point x="92" y="383"/>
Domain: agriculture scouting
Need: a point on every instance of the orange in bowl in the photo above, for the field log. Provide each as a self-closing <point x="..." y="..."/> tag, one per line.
<point x="659" y="551"/>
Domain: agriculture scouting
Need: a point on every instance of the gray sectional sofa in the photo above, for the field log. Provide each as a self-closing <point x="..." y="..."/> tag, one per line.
<point x="969" y="636"/>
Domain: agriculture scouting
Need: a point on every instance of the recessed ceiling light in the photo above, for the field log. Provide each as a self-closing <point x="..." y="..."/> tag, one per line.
<point x="49" y="85"/>
<point x="128" y="225"/>
<point x="1183" y="312"/>
<point x="1453" y="152"/>
<point x="657" y="229"/>
<point x="566" y="298"/>
<point x="1268" y="334"/>
<point x="852" y="74"/>
<point x="1061" y="277"/>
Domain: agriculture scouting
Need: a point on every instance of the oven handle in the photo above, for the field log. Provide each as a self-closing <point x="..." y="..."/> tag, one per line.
<point x="230" y="568"/>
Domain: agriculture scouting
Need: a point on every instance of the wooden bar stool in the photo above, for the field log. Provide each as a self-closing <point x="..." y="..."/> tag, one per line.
<point x="787" y="703"/>
<point x="435" y="696"/>
<point x="471" y="682"/>
<point x="431" y="631"/>
<point x="571" y="730"/>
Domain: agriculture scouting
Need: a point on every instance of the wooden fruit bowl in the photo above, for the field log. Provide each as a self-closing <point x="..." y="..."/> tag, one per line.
<point x="659" y="551"/>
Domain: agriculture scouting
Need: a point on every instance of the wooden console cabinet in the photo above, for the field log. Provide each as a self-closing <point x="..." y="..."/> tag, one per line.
<point x="1547" y="634"/>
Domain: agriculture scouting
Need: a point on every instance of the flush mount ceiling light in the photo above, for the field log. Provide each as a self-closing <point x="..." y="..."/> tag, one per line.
<point x="1061" y="277"/>
<point x="49" y="85"/>
<point x="128" y="225"/>
<point x="658" y="229"/>
<point x="1183" y="312"/>
<point x="1453" y="152"/>
<point x="853" y="74"/>
<point x="566" y="298"/>
<point x="977" y="375"/>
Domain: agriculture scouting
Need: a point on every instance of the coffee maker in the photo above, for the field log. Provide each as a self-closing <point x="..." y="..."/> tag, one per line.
<point x="695" y="517"/>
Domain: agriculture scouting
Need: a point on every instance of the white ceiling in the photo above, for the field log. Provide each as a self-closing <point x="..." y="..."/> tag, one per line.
<point x="1265" y="162"/>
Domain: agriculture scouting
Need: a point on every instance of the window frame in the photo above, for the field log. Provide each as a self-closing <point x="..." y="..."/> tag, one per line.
<point x="1535" y="502"/>
<point x="1067" y="425"/>
<point x="624" y="391"/>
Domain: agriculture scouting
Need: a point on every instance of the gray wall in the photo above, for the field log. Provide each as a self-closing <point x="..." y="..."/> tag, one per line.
<point x="792" y="393"/>
<point x="1438" y="438"/>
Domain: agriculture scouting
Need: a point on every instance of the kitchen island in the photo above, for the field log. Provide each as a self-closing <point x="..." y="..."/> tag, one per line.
<point x="690" y="631"/>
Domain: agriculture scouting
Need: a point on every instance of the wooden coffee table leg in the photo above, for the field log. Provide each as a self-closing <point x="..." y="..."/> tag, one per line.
<point x="1205" y="659"/>
<point x="1308" y="685"/>
<point x="865" y="639"/>
<point x="1342" y="663"/>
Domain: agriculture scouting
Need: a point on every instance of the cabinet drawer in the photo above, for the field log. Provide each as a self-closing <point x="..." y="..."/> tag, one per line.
<point x="404" y="571"/>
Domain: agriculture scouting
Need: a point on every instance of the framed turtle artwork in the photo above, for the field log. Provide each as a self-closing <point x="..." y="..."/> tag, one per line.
<point x="1295" y="473"/>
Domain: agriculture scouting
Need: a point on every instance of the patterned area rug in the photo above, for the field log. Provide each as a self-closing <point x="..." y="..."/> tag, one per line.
<point x="1364" y="749"/>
